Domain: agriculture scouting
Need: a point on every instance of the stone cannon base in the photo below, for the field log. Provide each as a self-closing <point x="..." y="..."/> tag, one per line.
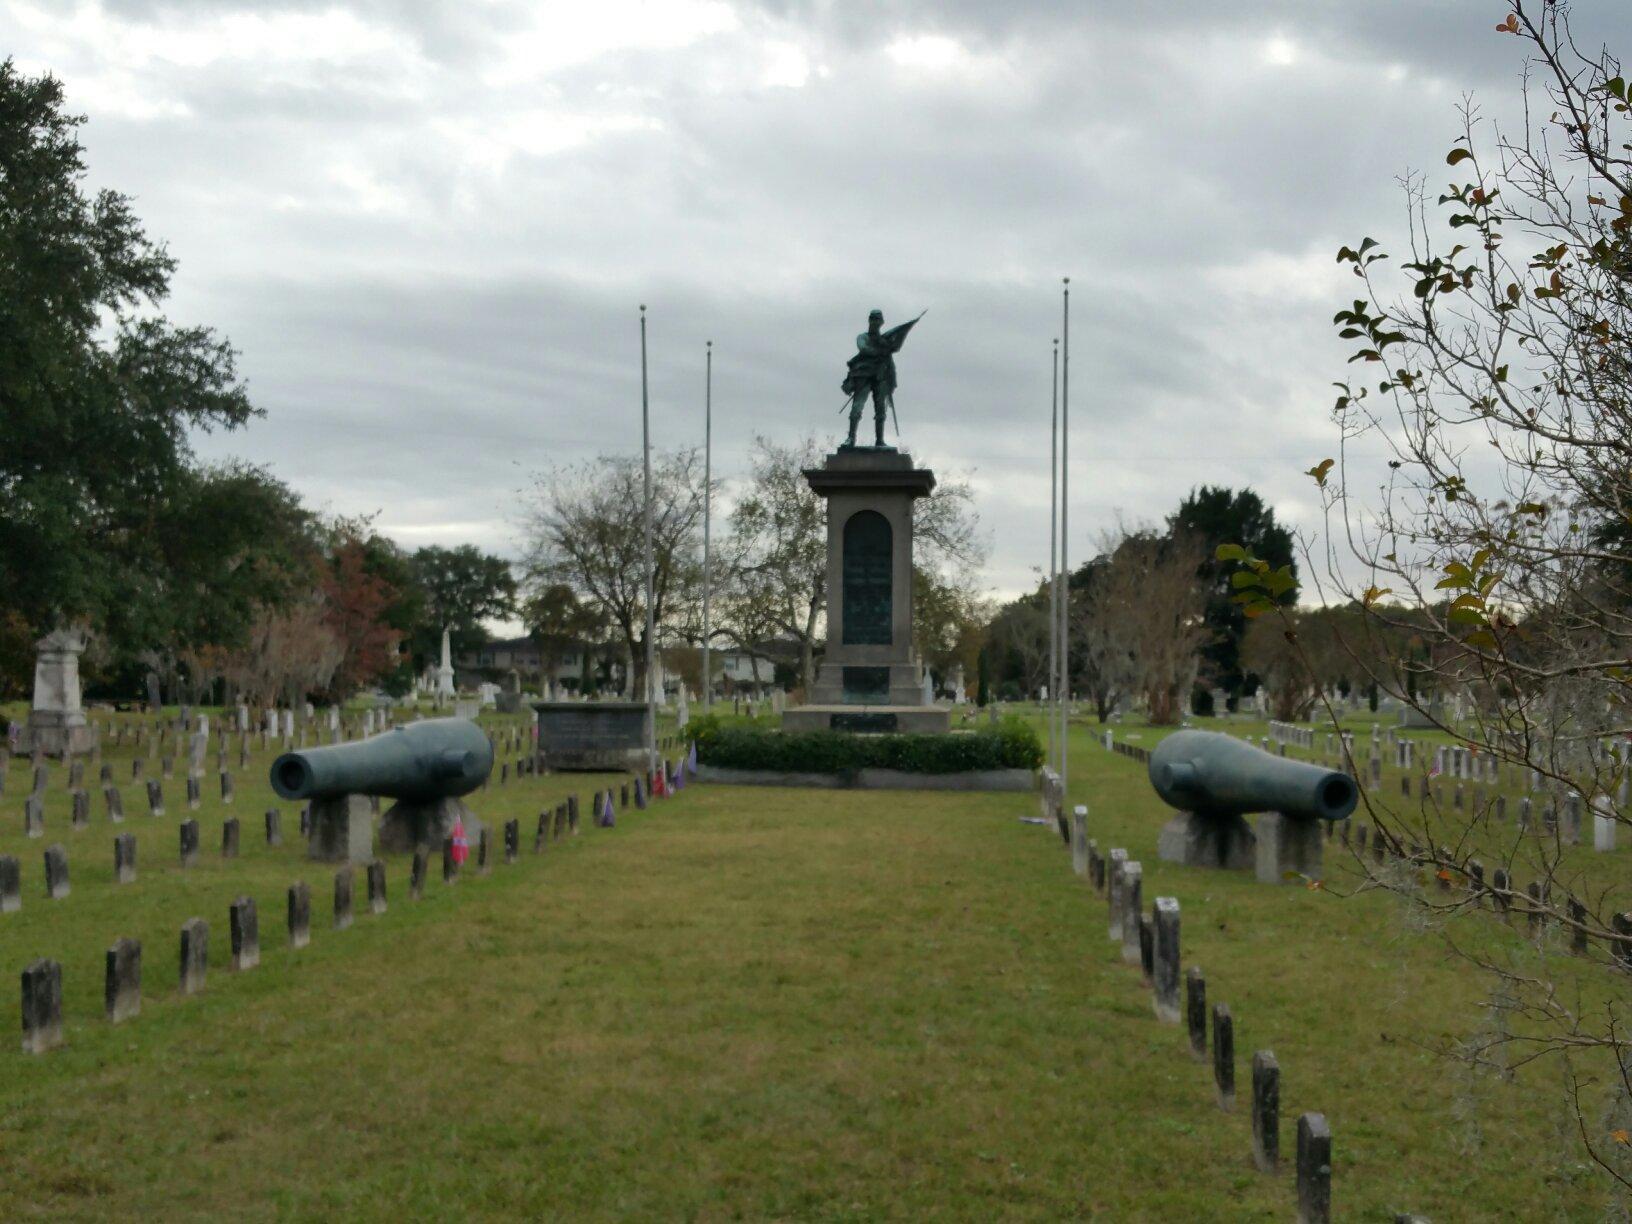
<point x="342" y="830"/>
<point x="408" y="825"/>
<point x="1288" y="844"/>
<point x="1195" y="839"/>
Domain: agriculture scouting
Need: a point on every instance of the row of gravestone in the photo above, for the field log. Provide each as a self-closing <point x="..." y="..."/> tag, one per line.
<point x="124" y="858"/>
<point x="113" y="803"/>
<point x="42" y="979"/>
<point x="1151" y="941"/>
<point x="1500" y="893"/>
<point x="123" y="988"/>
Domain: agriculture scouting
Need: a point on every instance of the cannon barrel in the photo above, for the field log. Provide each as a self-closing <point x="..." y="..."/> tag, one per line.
<point x="439" y="758"/>
<point x="1213" y="774"/>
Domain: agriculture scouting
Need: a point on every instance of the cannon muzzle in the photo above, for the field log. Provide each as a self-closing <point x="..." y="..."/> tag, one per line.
<point x="1213" y="774"/>
<point x="439" y="758"/>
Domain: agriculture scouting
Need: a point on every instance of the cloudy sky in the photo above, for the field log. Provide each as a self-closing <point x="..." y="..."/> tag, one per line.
<point x="428" y="224"/>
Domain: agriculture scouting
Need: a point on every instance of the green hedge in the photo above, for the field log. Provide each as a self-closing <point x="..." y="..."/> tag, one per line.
<point x="1011" y="744"/>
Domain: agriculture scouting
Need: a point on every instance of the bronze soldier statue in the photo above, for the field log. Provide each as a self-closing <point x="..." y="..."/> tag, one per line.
<point x="872" y="370"/>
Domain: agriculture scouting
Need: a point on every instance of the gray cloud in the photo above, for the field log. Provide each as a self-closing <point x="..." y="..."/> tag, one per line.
<point x="427" y="226"/>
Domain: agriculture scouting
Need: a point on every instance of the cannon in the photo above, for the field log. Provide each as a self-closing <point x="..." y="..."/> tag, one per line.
<point x="426" y="766"/>
<point x="1215" y="781"/>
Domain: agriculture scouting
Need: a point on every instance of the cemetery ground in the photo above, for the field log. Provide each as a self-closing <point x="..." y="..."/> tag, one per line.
<point x="742" y="1003"/>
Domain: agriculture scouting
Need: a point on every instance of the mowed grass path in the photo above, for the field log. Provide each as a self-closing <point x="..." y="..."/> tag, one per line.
<point x="780" y="1005"/>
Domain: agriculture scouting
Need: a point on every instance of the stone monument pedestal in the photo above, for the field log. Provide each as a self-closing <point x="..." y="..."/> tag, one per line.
<point x="56" y="722"/>
<point x="870" y="678"/>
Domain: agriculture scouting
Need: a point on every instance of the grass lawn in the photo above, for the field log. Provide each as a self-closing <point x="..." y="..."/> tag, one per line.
<point x="743" y="1003"/>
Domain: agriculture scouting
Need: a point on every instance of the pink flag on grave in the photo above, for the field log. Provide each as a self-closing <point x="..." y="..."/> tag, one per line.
<point x="461" y="847"/>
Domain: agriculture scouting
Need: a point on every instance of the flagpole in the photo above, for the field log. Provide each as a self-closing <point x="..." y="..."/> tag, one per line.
<point x="646" y="514"/>
<point x="708" y="505"/>
<point x="1053" y="554"/>
<point x="1065" y="535"/>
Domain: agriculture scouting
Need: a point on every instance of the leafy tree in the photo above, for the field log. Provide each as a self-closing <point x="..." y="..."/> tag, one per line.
<point x="108" y="520"/>
<point x="585" y="530"/>
<point x="357" y="606"/>
<point x="560" y="623"/>
<point x="776" y="554"/>
<point x="1215" y="516"/>
<point x="458" y="588"/>
<point x="1493" y="377"/>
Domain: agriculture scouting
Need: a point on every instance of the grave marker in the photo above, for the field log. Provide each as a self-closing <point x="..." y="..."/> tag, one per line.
<point x="42" y="1006"/>
<point x="1224" y="1056"/>
<point x="376" y="887"/>
<point x="1195" y="1011"/>
<point x="245" y="929"/>
<point x="56" y="872"/>
<point x="189" y="842"/>
<point x="1165" y="956"/>
<point x="124" y="858"/>
<point x="122" y="982"/>
<point x="1314" y="1170"/>
<point x="11" y="884"/>
<point x="1266" y="1112"/>
<point x="342" y="899"/>
<point x="195" y="955"/>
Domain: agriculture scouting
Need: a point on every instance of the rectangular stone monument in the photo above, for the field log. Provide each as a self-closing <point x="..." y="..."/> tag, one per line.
<point x="155" y="797"/>
<point x="376" y="887"/>
<point x="1132" y="908"/>
<point x="124" y="858"/>
<point x="122" y="981"/>
<point x="195" y="955"/>
<point x="512" y="840"/>
<point x="274" y="827"/>
<point x="1314" y="1170"/>
<point x="870" y="678"/>
<point x="1165" y="960"/>
<point x="114" y="802"/>
<point x="342" y="899"/>
<point x="1113" y="894"/>
<point x="229" y="838"/>
<point x="246" y="934"/>
<point x="56" y="872"/>
<point x="1266" y="1112"/>
<point x="1224" y="1056"/>
<point x="1195" y="1011"/>
<point x="11" y="884"/>
<point x="416" y="877"/>
<point x="42" y="1006"/>
<point x="189" y="842"/>
<point x="34" y="816"/>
